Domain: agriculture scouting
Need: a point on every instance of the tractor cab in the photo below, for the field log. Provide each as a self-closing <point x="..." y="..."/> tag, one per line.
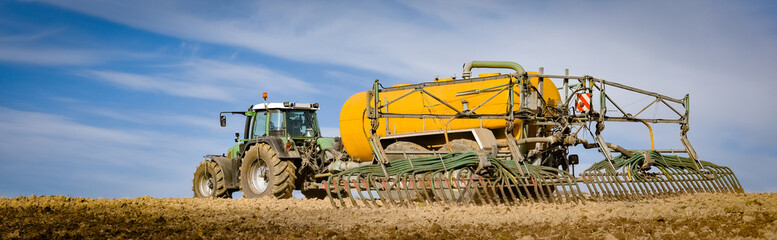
<point x="285" y="120"/>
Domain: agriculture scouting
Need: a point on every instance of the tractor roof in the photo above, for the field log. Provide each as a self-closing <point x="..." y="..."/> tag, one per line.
<point x="286" y="105"/>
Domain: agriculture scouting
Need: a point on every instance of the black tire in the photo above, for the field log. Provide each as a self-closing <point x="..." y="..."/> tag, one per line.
<point x="314" y="194"/>
<point x="209" y="181"/>
<point x="262" y="173"/>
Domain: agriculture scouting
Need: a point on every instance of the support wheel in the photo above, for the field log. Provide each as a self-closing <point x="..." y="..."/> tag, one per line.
<point x="209" y="181"/>
<point x="262" y="173"/>
<point x="460" y="145"/>
<point x="405" y="146"/>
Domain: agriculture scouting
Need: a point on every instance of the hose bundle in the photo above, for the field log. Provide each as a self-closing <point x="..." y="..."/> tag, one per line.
<point x="451" y="178"/>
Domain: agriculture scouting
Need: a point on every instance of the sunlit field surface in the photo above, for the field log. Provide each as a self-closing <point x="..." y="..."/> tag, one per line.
<point x="700" y="216"/>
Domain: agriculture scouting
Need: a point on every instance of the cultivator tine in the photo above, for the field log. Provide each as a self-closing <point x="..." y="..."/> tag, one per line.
<point x="359" y="191"/>
<point x="371" y="186"/>
<point x="466" y="195"/>
<point x="614" y="186"/>
<point x="538" y="187"/>
<point x="622" y="193"/>
<point x="348" y="190"/>
<point x="490" y="187"/>
<point x="456" y="184"/>
<point x="571" y="190"/>
<point x="675" y="175"/>
<point x="593" y="182"/>
<point x="586" y="178"/>
<point x="339" y="192"/>
<point x="719" y="182"/>
<point x="650" y="187"/>
<point x="604" y="186"/>
<point x="478" y="188"/>
<point x="386" y="190"/>
<point x="725" y="177"/>
<point x="427" y="188"/>
<point x="482" y="191"/>
<point x="370" y="200"/>
<point x="393" y="190"/>
<point x="436" y="185"/>
<point x="507" y="196"/>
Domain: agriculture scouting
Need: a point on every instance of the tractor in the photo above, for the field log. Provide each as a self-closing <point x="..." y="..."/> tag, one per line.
<point x="281" y="150"/>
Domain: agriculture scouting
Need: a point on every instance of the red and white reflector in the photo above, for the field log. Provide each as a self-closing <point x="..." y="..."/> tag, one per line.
<point x="583" y="102"/>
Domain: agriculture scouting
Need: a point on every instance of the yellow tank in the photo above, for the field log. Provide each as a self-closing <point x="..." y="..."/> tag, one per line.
<point x="355" y="126"/>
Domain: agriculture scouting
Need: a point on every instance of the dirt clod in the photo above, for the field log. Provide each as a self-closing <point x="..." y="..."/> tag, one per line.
<point x="609" y="236"/>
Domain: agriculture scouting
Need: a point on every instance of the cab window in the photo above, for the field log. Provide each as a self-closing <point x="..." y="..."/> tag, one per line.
<point x="300" y="123"/>
<point x="277" y="123"/>
<point x="260" y="124"/>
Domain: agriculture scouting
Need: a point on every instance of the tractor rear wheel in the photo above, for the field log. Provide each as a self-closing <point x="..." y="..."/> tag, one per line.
<point x="262" y="173"/>
<point x="209" y="181"/>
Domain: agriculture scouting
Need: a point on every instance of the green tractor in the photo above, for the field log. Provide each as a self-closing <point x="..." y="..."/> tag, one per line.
<point x="282" y="150"/>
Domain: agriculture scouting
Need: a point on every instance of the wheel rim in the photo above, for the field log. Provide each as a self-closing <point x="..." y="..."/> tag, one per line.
<point x="258" y="177"/>
<point x="206" y="184"/>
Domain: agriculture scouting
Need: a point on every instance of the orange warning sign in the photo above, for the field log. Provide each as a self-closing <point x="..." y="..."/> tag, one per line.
<point x="583" y="102"/>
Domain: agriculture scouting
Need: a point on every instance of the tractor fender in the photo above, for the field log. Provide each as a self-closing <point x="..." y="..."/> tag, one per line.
<point x="277" y="145"/>
<point x="229" y="166"/>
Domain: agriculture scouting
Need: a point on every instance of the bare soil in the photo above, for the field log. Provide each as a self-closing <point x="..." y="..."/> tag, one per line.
<point x="700" y="216"/>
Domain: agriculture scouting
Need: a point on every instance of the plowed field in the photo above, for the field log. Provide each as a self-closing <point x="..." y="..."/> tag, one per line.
<point x="701" y="216"/>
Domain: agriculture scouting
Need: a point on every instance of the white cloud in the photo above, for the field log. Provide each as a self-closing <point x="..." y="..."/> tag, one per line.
<point x="206" y="79"/>
<point x="50" y="56"/>
<point x="161" y="119"/>
<point x="424" y="39"/>
<point x="330" y="131"/>
<point x="57" y="155"/>
<point x="160" y="84"/>
<point x="48" y="47"/>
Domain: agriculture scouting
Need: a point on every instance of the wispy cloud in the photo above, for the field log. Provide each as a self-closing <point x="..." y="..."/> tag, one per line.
<point x="205" y="79"/>
<point x="160" y="84"/>
<point x="64" y="157"/>
<point x="414" y="39"/>
<point x="330" y="131"/>
<point x="53" y="47"/>
<point x="160" y="119"/>
<point x="48" y="56"/>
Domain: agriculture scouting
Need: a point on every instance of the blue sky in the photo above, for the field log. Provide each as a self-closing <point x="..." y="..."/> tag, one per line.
<point x="120" y="98"/>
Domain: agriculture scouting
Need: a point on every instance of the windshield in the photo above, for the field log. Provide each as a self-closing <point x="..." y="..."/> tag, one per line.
<point x="301" y="123"/>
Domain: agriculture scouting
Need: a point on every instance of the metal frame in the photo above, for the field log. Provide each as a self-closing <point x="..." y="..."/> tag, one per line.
<point x="518" y="84"/>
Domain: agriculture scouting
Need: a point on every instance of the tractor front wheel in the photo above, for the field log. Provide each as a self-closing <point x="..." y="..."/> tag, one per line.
<point x="262" y="173"/>
<point x="209" y="181"/>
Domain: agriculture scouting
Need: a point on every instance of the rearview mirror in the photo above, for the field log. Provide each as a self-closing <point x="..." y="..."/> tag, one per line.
<point x="223" y="120"/>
